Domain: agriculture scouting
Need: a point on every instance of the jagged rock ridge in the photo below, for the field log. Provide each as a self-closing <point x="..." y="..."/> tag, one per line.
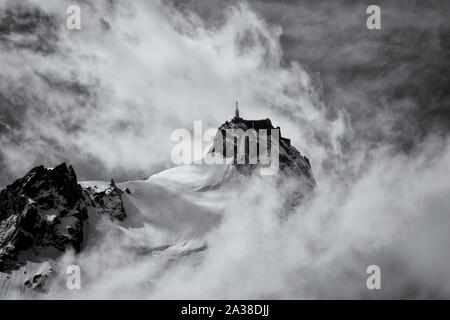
<point x="44" y="209"/>
<point x="291" y="162"/>
<point x="44" y="212"/>
<point x="108" y="201"/>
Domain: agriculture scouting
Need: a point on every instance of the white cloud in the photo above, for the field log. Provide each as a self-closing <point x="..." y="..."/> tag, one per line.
<point x="155" y="69"/>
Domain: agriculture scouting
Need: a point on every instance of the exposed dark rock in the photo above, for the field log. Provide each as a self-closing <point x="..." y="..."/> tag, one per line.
<point x="108" y="202"/>
<point x="291" y="162"/>
<point x="238" y="134"/>
<point x="46" y="209"/>
<point x="38" y="282"/>
<point x="43" y="209"/>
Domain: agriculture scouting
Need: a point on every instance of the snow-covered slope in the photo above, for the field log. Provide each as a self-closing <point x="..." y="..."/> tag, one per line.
<point x="178" y="203"/>
<point x="28" y="281"/>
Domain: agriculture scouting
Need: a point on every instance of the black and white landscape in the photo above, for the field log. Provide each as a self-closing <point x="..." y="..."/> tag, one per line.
<point x="88" y="178"/>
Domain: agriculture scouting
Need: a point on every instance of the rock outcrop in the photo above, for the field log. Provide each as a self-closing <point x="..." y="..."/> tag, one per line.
<point x="291" y="162"/>
<point x="43" y="210"/>
<point x="294" y="175"/>
<point x="107" y="202"/>
<point x="43" y="214"/>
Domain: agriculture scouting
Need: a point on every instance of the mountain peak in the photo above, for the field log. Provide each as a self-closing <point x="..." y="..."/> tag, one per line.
<point x="43" y="209"/>
<point x="238" y="134"/>
<point x="46" y="209"/>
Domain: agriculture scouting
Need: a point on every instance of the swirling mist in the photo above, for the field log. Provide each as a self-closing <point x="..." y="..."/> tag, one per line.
<point x="107" y="97"/>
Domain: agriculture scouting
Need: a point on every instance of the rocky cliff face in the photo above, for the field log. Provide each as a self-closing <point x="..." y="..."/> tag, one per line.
<point x="44" y="209"/>
<point x="291" y="162"/>
<point x="294" y="175"/>
<point x="43" y="213"/>
<point x="107" y="201"/>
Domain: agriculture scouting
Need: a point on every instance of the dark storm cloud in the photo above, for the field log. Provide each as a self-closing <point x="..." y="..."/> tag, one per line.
<point x="399" y="73"/>
<point x="394" y="82"/>
<point x="22" y="27"/>
<point x="27" y="27"/>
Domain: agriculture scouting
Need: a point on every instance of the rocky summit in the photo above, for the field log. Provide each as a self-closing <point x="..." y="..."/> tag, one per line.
<point x="233" y="134"/>
<point x="43" y="214"/>
<point x="43" y="210"/>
